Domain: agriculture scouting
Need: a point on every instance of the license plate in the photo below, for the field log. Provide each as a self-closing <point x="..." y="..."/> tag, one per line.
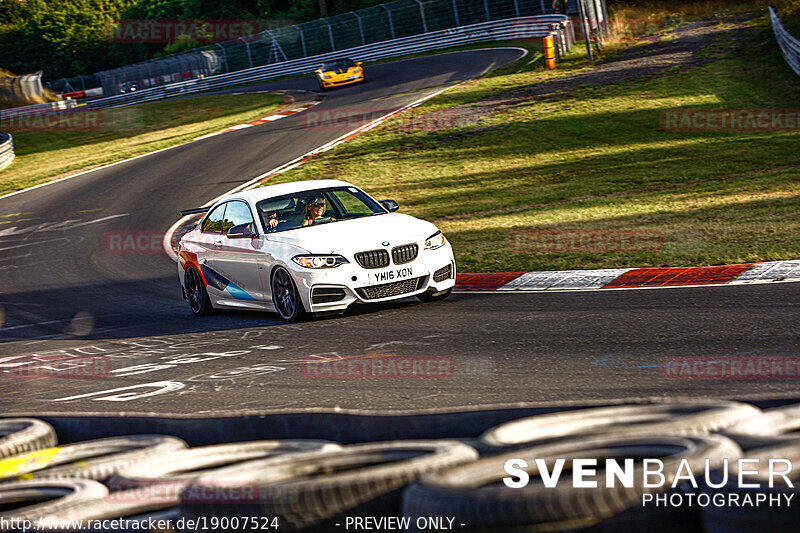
<point x="352" y="77"/>
<point x="388" y="276"/>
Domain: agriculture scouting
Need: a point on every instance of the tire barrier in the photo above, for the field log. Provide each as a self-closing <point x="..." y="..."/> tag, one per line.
<point x="472" y="492"/>
<point x="6" y="150"/>
<point x="36" y="499"/>
<point x="626" y="420"/>
<point x="772" y="428"/>
<point x="735" y="519"/>
<point x="22" y="435"/>
<point x="311" y="492"/>
<point x="309" y="485"/>
<point x="94" y="459"/>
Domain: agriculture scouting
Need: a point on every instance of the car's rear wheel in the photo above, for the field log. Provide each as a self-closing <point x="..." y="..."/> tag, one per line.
<point x="196" y="293"/>
<point x="429" y="296"/>
<point x="285" y="296"/>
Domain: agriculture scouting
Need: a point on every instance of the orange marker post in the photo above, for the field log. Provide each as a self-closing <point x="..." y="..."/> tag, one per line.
<point x="549" y="53"/>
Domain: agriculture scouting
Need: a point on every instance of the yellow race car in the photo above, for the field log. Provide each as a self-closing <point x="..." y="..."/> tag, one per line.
<point x="339" y="72"/>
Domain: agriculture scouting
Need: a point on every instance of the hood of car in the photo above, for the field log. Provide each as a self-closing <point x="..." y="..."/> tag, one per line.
<point x="350" y="236"/>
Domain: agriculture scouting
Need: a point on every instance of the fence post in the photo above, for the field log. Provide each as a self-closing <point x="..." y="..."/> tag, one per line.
<point x="224" y="57"/>
<point x="360" y="27"/>
<point x="598" y="14"/>
<point x="276" y="48"/>
<point x="585" y="28"/>
<point x="605" y="18"/>
<point x="249" y="56"/>
<point x="455" y="12"/>
<point x="391" y="22"/>
<point x="486" y="7"/>
<point x="422" y="14"/>
<point x="302" y="40"/>
<point x="330" y="34"/>
<point x="516" y="7"/>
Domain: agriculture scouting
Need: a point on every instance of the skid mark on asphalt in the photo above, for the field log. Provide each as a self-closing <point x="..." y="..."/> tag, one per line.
<point x="57" y="226"/>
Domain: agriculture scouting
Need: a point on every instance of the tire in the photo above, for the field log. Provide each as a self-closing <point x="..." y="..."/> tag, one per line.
<point x="86" y="500"/>
<point x="37" y="499"/>
<point x="23" y="435"/>
<point x="285" y="297"/>
<point x="765" y="517"/>
<point x="475" y="495"/>
<point x="428" y="296"/>
<point x="772" y="427"/>
<point x="312" y="491"/>
<point x="192" y="463"/>
<point x="95" y="459"/>
<point x="196" y="293"/>
<point x="623" y="420"/>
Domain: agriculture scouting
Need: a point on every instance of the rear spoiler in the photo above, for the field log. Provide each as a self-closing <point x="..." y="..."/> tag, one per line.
<point x="194" y="211"/>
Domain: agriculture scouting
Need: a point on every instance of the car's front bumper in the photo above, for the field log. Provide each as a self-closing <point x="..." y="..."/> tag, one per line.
<point x="350" y="283"/>
<point x="338" y="82"/>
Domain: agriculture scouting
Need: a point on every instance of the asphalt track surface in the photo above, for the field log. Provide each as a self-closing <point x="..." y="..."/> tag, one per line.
<point x="65" y="296"/>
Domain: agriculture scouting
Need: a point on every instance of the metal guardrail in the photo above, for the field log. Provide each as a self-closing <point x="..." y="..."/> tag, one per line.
<point x="287" y="42"/>
<point x="790" y="47"/>
<point x="6" y="150"/>
<point x="38" y="109"/>
<point x="558" y="26"/>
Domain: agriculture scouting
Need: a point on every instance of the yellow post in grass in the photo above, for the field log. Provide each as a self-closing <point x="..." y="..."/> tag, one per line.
<point x="549" y="53"/>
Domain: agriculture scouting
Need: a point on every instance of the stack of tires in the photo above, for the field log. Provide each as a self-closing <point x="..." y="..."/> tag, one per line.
<point x="320" y="486"/>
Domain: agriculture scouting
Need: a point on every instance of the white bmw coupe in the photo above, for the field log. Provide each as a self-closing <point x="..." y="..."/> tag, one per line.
<point x="310" y="247"/>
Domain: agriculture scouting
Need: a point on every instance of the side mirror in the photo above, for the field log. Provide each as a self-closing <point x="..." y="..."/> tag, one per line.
<point x="359" y="63"/>
<point x="390" y="205"/>
<point x="241" y="231"/>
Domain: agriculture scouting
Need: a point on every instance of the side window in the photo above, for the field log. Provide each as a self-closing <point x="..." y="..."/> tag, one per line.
<point x="236" y="214"/>
<point x="213" y="222"/>
<point x="352" y="205"/>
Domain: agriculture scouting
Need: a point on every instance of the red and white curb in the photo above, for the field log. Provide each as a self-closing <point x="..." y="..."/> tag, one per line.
<point x="630" y="278"/>
<point x="263" y="120"/>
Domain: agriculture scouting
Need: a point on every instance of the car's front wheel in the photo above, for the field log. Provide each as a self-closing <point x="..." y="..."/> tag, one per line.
<point x="196" y="293"/>
<point x="430" y="296"/>
<point x="285" y="296"/>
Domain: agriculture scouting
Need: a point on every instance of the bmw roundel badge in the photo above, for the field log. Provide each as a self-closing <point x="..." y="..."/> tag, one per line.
<point x="385" y="243"/>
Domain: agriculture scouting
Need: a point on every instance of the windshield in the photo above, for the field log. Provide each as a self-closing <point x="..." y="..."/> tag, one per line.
<point x="339" y="64"/>
<point x="315" y="207"/>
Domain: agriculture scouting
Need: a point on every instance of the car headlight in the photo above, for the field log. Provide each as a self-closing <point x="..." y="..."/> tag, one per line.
<point x="435" y="241"/>
<point x="319" y="261"/>
<point x="357" y="70"/>
<point x="326" y="76"/>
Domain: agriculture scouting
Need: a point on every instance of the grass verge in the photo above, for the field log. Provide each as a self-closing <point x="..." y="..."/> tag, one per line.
<point x="85" y="140"/>
<point x="595" y="163"/>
